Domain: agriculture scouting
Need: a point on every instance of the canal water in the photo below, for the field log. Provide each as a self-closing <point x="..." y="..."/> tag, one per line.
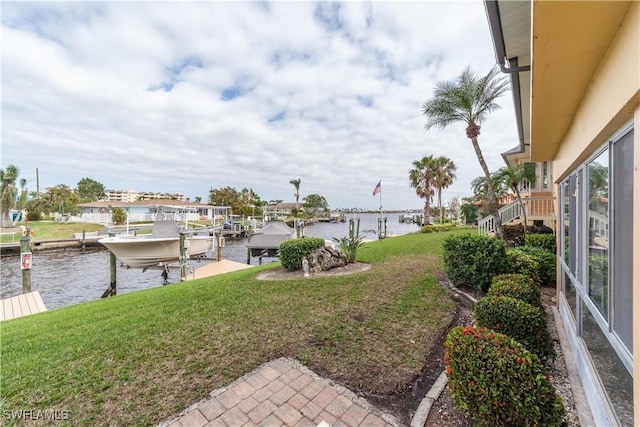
<point x="66" y="277"/>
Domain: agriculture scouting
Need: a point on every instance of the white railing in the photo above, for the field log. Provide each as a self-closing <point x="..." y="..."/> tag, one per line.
<point x="105" y="218"/>
<point x="534" y="206"/>
<point x="507" y="213"/>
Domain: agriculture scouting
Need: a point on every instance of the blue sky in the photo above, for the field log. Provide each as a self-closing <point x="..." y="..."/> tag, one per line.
<point x="184" y="97"/>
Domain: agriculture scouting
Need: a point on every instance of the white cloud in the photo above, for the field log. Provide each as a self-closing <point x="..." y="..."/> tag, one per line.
<point x="182" y="97"/>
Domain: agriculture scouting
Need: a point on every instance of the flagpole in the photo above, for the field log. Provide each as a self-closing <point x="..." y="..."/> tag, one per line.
<point x="381" y="216"/>
<point x="380" y="198"/>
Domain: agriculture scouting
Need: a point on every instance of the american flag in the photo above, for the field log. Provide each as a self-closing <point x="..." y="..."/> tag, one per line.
<point x="378" y="188"/>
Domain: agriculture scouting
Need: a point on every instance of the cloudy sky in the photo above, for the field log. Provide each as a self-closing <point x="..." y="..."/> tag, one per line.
<point x="184" y="97"/>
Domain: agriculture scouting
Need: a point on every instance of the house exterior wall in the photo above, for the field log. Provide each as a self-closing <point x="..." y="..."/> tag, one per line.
<point x="610" y="105"/>
<point x="609" y="100"/>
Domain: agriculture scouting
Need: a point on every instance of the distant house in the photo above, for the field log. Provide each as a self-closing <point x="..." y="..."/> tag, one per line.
<point x="575" y="75"/>
<point x="280" y="210"/>
<point x="149" y="210"/>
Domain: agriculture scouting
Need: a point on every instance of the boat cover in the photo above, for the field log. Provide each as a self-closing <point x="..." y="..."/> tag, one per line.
<point x="270" y="236"/>
<point x="165" y="229"/>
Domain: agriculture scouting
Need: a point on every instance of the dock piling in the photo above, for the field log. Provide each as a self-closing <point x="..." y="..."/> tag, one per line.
<point x="25" y="260"/>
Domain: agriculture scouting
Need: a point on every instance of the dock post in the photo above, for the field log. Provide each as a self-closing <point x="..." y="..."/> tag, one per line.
<point x="112" y="274"/>
<point x="351" y="228"/>
<point x="25" y="260"/>
<point x="183" y="257"/>
<point x="84" y="235"/>
<point x="111" y="290"/>
<point x="220" y="241"/>
<point x="249" y="256"/>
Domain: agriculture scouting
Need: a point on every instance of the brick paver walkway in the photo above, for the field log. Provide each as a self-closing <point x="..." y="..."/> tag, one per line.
<point x="283" y="392"/>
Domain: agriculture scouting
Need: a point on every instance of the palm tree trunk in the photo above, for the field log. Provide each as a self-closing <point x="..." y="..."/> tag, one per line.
<point x="440" y="205"/>
<point x="493" y="200"/>
<point x="427" y="210"/>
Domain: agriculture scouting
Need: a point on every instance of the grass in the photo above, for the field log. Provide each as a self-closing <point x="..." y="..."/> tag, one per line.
<point x="43" y="230"/>
<point x="140" y="358"/>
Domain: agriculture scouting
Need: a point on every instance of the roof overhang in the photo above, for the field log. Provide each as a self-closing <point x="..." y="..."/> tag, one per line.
<point x="567" y="41"/>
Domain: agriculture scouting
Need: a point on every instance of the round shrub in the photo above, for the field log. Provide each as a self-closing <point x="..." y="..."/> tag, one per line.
<point x="521" y="321"/>
<point x="546" y="262"/>
<point x="497" y="382"/>
<point x="34" y="216"/>
<point x="522" y="263"/>
<point x="473" y="260"/>
<point x="292" y="251"/>
<point x="515" y="286"/>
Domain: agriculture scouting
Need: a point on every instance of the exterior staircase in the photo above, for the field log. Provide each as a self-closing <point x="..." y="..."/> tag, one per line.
<point x="537" y="208"/>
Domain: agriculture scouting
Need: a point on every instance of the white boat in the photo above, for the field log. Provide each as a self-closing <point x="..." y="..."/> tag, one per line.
<point x="160" y="247"/>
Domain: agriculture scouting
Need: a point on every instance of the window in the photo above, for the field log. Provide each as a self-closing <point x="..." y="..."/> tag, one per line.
<point x="596" y="265"/>
<point x="598" y="203"/>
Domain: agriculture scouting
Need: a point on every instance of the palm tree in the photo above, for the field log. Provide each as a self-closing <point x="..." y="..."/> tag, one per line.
<point x="513" y="177"/>
<point x="481" y="190"/>
<point x="8" y="192"/>
<point x="422" y="178"/>
<point x="296" y="184"/>
<point x="469" y="100"/>
<point x="445" y="175"/>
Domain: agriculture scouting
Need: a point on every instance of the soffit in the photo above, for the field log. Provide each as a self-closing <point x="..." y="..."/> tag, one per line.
<point x="569" y="42"/>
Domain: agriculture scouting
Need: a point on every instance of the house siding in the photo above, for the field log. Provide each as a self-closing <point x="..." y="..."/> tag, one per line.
<point x="610" y="103"/>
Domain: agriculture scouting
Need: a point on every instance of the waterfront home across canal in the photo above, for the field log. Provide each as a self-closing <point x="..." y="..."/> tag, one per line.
<point x="148" y="210"/>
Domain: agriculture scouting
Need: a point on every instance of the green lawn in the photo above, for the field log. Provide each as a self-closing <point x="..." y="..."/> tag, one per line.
<point x="140" y="358"/>
<point x="43" y="230"/>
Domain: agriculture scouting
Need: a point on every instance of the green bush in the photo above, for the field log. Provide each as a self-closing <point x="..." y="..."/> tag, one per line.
<point x="514" y="234"/>
<point x="292" y="251"/>
<point x="516" y="286"/>
<point x="436" y="228"/>
<point x="544" y="241"/>
<point x="521" y="321"/>
<point x="497" y="382"/>
<point x="546" y="262"/>
<point x="473" y="260"/>
<point x="118" y="216"/>
<point x="34" y="216"/>
<point x="522" y="263"/>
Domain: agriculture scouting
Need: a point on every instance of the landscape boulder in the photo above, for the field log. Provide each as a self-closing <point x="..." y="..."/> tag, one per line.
<point x="326" y="258"/>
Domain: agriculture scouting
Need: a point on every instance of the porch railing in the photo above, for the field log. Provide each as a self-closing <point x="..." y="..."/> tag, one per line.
<point x="535" y="207"/>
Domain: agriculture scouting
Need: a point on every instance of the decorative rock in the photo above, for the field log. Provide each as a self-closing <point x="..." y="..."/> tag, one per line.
<point x="325" y="259"/>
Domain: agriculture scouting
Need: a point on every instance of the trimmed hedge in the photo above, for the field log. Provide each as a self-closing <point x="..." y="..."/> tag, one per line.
<point x="521" y="321"/>
<point x="436" y="228"/>
<point x="292" y="251"/>
<point x="546" y="262"/>
<point x="516" y="286"/>
<point x="544" y="241"/>
<point x="522" y="263"/>
<point x="473" y="260"/>
<point x="497" y="382"/>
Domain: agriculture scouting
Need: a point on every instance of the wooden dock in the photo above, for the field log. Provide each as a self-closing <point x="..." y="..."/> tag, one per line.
<point x="21" y="305"/>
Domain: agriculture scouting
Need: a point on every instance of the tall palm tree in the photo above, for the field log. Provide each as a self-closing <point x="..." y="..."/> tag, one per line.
<point x="445" y="175"/>
<point x="513" y="177"/>
<point x="296" y="184"/>
<point x="469" y="100"/>
<point x="422" y="178"/>
<point x="8" y="192"/>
